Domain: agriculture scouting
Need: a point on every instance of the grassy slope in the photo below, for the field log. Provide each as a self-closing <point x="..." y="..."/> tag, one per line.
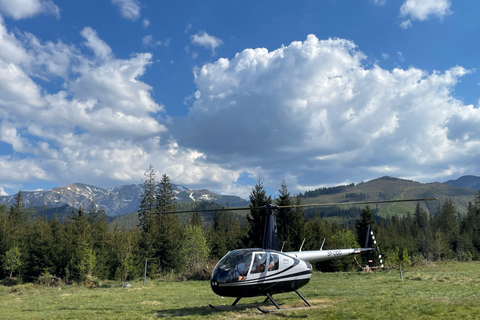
<point x="436" y="291"/>
<point x="403" y="189"/>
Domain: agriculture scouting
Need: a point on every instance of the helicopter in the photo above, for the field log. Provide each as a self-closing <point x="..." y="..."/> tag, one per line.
<point x="266" y="271"/>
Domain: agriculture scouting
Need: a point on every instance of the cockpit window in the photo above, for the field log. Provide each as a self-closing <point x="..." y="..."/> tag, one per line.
<point x="273" y="264"/>
<point x="259" y="263"/>
<point x="233" y="267"/>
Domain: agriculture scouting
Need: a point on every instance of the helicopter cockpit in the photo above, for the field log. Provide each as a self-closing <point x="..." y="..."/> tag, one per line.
<point x="233" y="267"/>
<point x="237" y="264"/>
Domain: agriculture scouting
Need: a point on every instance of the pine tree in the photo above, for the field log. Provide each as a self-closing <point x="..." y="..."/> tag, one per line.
<point x="81" y="255"/>
<point x="40" y="251"/>
<point x="299" y="225"/>
<point x="196" y="219"/>
<point x="17" y="212"/>
<point x="361" y="225"/>
<point x="447" y="228"/>
<point x="290" y="221"/>
<point x="17" y="223"/>
<point x="422" y="232"/>
<point x="125" y="243"/>
<point x="148" y="201"/>
<point x="99" y="240"/>
<point x="169" y="227"/>
<point x="226" y="234"/>
<point x="256" y="217"/>
<point x="285" y="217"/>
<point x="148" y="225"/>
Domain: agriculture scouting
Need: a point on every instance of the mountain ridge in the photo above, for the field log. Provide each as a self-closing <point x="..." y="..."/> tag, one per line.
<point x="121" y="200"/>
<point x="113" y="201"/>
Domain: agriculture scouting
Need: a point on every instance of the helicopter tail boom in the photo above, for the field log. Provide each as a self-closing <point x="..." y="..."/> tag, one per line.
<point x="323" y="255"/>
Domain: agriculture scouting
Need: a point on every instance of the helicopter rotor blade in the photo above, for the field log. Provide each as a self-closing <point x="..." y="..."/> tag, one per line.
<point x="355" y="203"/>
<point x="303" y="205"/>
<point x="207" y="210"/>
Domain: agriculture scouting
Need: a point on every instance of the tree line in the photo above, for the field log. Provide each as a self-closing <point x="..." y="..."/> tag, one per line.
<point x="85" y="248"/>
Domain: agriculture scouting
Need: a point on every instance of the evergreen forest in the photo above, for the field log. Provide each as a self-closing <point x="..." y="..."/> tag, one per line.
<point x="85" y="249"/>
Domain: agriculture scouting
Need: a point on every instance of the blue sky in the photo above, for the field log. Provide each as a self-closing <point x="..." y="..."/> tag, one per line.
<point x="218" y="94"/>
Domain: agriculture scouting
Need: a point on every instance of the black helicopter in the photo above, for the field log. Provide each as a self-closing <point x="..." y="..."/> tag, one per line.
<point x="267" y="271"/>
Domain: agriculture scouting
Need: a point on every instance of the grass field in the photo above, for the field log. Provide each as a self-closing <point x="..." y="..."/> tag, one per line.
<point x="443" y="290"/>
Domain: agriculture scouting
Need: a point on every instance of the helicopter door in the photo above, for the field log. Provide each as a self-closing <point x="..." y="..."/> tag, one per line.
<point x="273" y="263"/>
<point x="259" y="265"/>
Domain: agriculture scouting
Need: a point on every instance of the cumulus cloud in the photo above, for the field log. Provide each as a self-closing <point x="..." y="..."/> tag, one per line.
<point x="422" y="10"/>
<point x="21" y="9"/>
<point x="101" y="124"/>
<point x="313" y="110"/>
<point x="205" y="40"/>
<point x="130" y="9"/>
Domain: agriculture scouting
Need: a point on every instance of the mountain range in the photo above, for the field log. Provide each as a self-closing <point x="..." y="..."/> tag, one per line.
<point x="114" y="201"/>
<point x="126" y="199"/>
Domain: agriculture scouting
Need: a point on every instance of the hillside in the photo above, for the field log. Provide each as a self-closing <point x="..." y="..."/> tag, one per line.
<point x="388" y="188"/>
<point x="131" y="220"/>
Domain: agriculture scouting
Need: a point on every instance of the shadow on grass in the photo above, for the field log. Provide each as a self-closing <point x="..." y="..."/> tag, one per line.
<point x="250" y="309"/>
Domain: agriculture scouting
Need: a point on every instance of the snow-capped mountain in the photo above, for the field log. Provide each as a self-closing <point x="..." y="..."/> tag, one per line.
<point x="114" y="201"/>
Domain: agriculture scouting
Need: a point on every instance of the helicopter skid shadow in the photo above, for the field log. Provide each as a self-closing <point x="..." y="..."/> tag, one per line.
<point x="207" y="310"/>
<point x="250" y="307"/>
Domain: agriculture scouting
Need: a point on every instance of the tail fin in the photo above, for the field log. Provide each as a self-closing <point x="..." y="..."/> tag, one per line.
<point x="370" y="242"/>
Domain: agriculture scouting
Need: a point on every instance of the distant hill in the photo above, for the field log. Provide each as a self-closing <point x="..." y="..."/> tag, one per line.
<point x="389" y="188"/>
<point x="63" y="213"/>
<point x="472" y="182"/>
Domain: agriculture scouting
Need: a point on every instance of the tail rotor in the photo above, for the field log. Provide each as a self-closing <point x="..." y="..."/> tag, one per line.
<point x="371" y="243"/>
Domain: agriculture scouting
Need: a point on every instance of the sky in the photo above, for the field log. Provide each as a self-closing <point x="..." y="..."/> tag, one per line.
<point x="222" y="94"/>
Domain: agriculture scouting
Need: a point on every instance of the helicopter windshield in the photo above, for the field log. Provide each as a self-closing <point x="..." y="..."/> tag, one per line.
<point x="233" y="267"/>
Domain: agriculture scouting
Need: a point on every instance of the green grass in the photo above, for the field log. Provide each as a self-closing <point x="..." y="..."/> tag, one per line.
<point x="445" y="290"/>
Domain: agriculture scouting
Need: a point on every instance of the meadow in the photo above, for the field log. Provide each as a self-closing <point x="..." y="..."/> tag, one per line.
<point x="441" y="290"/>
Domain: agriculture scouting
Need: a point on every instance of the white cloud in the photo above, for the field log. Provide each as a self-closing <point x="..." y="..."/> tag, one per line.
<point x="406" y="24"/>
<point x="20" y="169"/>
<point x="422" y="10"/>
<point x="130" y="9"/>
<point x="205" y="40"/>
<point x="101" y="125"/>
<point x="21" y="9"/>
<point x="148" y="41"/>
<point x="311" y="108"/>
<point x="2" y="192"/>
<point x="146" y="23"/>
<point x="98" y="46"/>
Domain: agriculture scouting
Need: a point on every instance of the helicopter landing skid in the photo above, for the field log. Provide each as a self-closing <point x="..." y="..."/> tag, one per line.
<point x="269" y="297"/>
<point x="232" y="305"/>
